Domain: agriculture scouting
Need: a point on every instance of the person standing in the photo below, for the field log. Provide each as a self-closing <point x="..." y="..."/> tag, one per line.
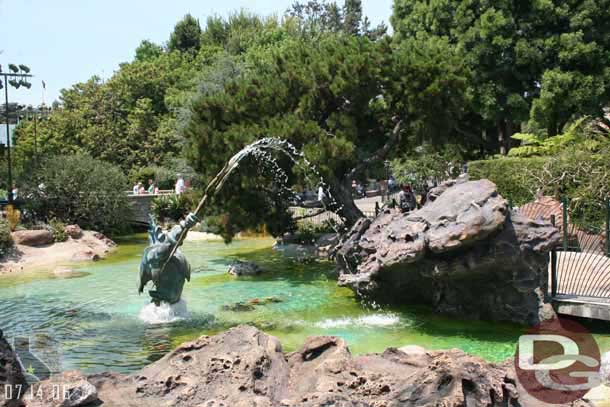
<point x="136" y="188"/>
<point x="152" y="188"/>
<point x="179" y="185"/>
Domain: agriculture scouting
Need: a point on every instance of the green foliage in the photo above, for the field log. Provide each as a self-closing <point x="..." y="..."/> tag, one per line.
<point x="79" y="190"/>
<point x="516" y="178"/>
<point x="540" y="60"/>
<point x="58" y="228"/>
<point x="425" y="165"/>
<point x="308" y="233"/>
<point x="6" y="241"/>
<point x="173" y="208"/>
<point x="327" y="98"/>
<point x="186" y="36"/>
<point x="148" y="51"/>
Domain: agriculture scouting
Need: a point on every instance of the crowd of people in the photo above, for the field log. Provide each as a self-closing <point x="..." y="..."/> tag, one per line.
<point x="152" y="188"/>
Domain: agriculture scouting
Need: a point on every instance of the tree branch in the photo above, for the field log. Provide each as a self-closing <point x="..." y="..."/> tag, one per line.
<point x="380" y="154"/>
<point x="311" y="215"/>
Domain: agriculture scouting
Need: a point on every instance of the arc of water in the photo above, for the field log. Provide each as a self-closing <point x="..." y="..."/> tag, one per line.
<point x="216" y="184"/>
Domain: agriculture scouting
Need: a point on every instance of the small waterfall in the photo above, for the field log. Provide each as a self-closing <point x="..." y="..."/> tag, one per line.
<point x="164" y="313"/>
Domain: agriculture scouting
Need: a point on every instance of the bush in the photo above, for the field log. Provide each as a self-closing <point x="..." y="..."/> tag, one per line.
<point x="576" y="174"/>
<point x="517" y="179"/>
<point x="58" y="228"/>
<point x="78" y="189"/>
<point x="174" y="207"/>
<point x="6" y="241"/>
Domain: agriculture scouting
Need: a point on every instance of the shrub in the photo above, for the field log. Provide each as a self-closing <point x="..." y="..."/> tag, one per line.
<point x="78" y="189"/>
<point x="174" y="207"/>
<point x="518" y="179"/>
<point x="6" y="241"/>
<point x="58" y="228"/>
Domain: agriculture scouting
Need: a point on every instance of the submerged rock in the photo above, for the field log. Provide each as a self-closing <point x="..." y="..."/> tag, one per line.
<point x="243" y="268"/>
<point x="464" y="253"/>
<point x="245" y="367"/>
<point x="239" y="307"/>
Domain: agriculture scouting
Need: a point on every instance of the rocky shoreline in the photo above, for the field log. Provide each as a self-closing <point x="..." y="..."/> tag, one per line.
<point x="244" y="367"/>
<point x="35" y="250"/>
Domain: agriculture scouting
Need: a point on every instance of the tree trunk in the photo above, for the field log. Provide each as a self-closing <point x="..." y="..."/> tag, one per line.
<point x="344" y="205"/>
<point x="501" y="139"/>
<point x="509" y="134"/>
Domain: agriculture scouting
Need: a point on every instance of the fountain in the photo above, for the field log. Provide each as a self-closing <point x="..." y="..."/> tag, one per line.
<point x="162" y="261"/>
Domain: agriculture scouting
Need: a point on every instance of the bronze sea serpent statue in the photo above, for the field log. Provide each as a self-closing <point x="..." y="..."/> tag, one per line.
<point x="162" y="262"/>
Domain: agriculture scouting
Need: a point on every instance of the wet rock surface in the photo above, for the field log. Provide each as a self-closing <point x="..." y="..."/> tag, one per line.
<point x="243" y="268"/>
<point x="12" y="379"/>
<point x="465" y="253"/>
<point x="245" y="367"/>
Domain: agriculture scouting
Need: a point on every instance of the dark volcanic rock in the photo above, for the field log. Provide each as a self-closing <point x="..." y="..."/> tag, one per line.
<point x="12" y="379"/>
<point x="464" y="253"/>
<point x="243" y="367"/>
<point x="244" y="268"/>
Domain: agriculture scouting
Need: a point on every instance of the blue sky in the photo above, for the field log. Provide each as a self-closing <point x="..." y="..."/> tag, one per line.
<point x="68" y="41"/>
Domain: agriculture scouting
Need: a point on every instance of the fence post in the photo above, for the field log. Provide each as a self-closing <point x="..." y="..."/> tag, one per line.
<point x="553" y="265"/>
<point x="607" y="227"/>
<point x="564" y="201"/>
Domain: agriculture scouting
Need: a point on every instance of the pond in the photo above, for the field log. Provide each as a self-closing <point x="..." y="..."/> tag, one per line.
<point x="90" y="320"/>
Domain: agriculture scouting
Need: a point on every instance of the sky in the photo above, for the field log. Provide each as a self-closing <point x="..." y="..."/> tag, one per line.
<point x="68" y="41"/>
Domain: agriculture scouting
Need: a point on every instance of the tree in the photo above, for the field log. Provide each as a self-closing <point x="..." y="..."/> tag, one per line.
<point x="352" y="16"/>
<point x="347" y="102"/>
<point x="316" y="18"/>
<point x="186" y="36"/>
<point x="78" y="189"/>
<point x="147" y="51"/>
<point x="540" y="60"/>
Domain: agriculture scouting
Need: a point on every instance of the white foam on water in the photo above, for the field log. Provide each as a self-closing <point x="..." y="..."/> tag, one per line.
<point x="374" y="320"/>
<point x="164" y="313"/>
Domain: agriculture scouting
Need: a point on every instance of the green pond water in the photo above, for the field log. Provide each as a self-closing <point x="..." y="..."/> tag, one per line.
<point x="90" y="321"/>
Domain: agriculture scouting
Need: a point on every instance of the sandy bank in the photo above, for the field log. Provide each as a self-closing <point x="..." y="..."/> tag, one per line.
<point x="25" y="258"/>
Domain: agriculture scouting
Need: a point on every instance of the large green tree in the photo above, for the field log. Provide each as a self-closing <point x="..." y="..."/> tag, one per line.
<point x="542" y="60"/>
<point x="347" y="102"/>
<point x="186" y="36"/>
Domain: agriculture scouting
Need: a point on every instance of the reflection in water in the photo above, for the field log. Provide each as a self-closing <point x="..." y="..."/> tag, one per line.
<point x="94" y="322"/>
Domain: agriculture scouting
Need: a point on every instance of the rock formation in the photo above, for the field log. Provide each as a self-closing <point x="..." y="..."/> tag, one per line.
<point x="465" y="253"/>
<point x="34" y="238"/>
<point x="243" y="367"/>
<point x="243" y="268"/>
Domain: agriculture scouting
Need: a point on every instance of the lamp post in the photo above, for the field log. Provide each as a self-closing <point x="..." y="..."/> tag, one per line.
<point x="17" y="77"/>
<point x="36" y="114"/>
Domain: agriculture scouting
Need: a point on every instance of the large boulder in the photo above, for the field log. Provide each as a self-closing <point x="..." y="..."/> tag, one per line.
<point x="12" y="378"/>
<point x="465" y="253"/>
<point x="74" y="231"/>
<point x="33" y="238"/>
<point x="243" y="367"/>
